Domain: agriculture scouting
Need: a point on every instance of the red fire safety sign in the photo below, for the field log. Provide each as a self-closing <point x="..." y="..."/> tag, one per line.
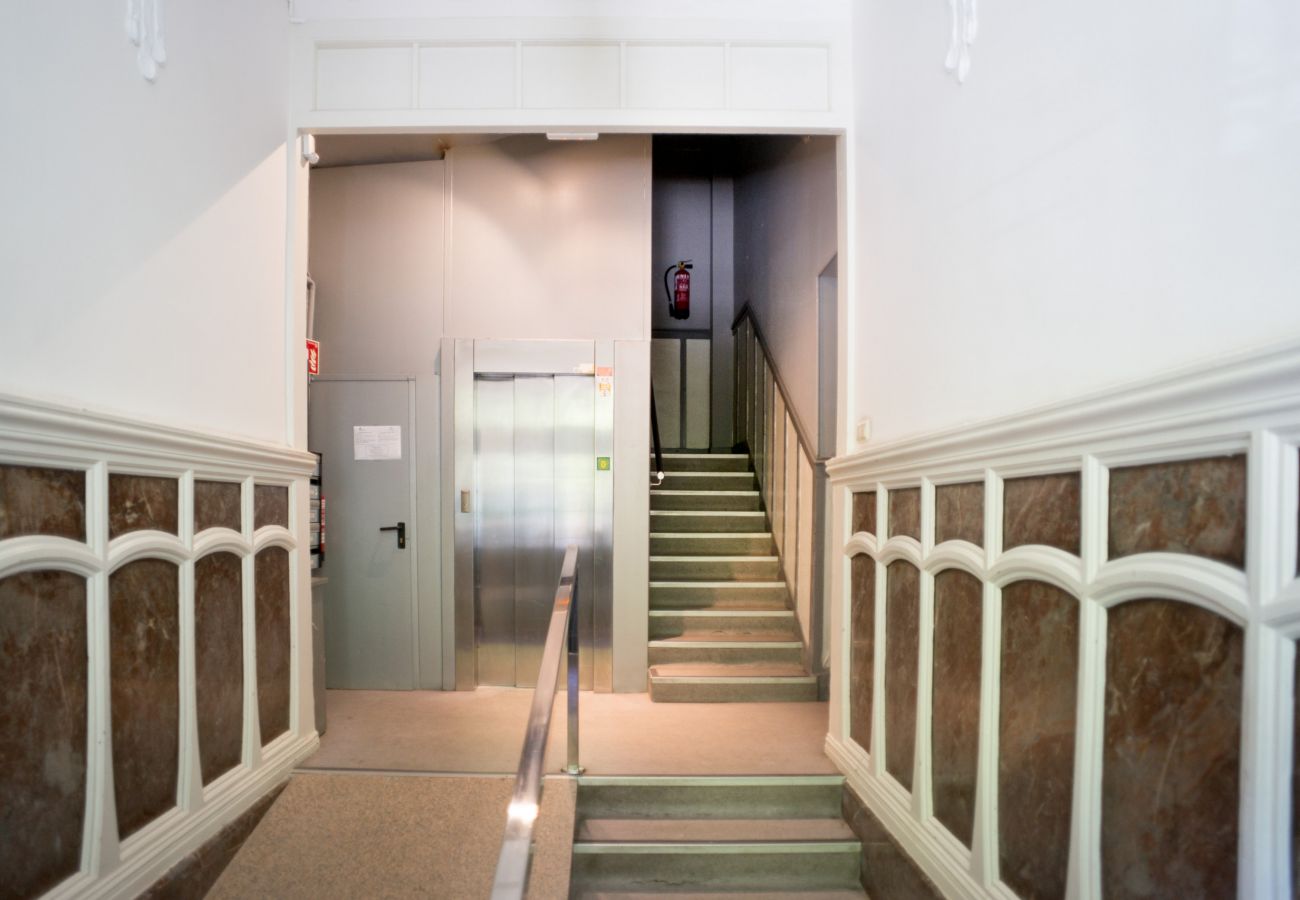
<point x="313" y="357"/>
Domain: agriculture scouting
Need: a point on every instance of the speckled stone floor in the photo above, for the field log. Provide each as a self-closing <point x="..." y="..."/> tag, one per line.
<point x="340" y="836"/>
<point x="622" y="734"/>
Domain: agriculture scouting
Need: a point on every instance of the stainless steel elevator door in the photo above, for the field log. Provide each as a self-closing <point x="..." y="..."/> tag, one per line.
<point x="534" y="484"/>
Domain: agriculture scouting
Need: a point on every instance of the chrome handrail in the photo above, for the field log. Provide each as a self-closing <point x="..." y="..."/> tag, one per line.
<point x="511" y="879"/>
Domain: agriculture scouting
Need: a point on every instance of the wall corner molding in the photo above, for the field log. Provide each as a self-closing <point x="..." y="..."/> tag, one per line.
<point x="144" y="28"/>
<point x="965" y="26"/>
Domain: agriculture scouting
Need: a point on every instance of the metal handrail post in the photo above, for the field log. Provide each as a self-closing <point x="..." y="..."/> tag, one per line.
<point x="573" y="768"/>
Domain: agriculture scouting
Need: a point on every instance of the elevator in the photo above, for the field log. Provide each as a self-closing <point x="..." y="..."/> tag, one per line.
<point x="534" y="477"/>
<point x="528" y="428"/>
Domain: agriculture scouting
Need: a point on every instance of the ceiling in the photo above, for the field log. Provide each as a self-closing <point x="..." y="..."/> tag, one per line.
<point x="372" y="149"/>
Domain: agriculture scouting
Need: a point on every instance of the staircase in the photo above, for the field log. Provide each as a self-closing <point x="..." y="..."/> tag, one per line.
<point x="767" y="837"/>
<point x="722" y="627"/>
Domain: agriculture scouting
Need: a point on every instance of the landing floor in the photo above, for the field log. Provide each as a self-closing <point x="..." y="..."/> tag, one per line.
<point x="482" y="731"/>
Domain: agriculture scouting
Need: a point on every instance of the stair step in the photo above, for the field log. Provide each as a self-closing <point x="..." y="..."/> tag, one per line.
<point x="738" y="866"/>
<point x="642" y="830"/>
<point x="730" y="521"/>
<point x="706" y="500"/>
<point x="674" y="622"/>
<point x="704" y="462"/>
<point x="707" y="481"/>
<point x="710" y="796"/>
<point x="667" y="543"/>
<point x="735" y="683"/>
<point x="714" y="568"/>
<point x="718" y="595"/>
<point x="746" y="648"/>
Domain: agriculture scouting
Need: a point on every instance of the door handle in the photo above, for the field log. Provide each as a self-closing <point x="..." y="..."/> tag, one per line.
<point x="400" y="528"/>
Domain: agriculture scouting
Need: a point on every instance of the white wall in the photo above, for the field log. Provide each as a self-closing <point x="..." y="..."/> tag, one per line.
<point x="785" y="235"/>
<point x="1112" y="193"/>
<point x="142" y="226"/>
<point x="549" y="239"/>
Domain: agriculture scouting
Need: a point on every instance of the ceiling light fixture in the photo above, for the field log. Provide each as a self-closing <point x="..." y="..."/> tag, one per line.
<point x="572" y="135"/>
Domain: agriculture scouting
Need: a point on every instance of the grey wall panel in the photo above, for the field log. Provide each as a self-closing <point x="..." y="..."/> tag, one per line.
<point x="494" y="530"/>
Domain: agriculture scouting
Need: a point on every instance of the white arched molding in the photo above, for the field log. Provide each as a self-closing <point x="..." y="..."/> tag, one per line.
<point x="36" y="553"/>
<point x="220" y="540"/>
<point x="861" y="543"/>
<point x="904" y="548"/>
<point x="1039" y="563"/>
<point x="146" y="545"/>
<point x="1210" y="585"/>
<point x="273" y="536"/>
<point x="960" y="555"/>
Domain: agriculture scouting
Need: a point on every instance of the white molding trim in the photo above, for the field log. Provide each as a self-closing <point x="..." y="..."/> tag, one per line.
<point x="1247" y="405"/>
<point x="44" y="435"/>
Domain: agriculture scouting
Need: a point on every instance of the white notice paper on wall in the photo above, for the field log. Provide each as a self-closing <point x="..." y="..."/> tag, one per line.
<point x="376" y="441"/>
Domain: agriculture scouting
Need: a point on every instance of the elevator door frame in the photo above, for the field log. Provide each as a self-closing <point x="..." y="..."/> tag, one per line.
<point x="462" y="359"/>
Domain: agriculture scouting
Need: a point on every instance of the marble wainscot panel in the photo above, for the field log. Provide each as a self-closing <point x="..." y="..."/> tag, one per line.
<point x="1041" y="509"/>
<point x="140" y="503"/>
<point x="1196" y="506"/>
<point x="958" y="614"/>
<point x="959" y="513"/>
<point x="863" y="661"/>
<point x="216" y="505"/>
<point x="144" y="635"/>
<point x="888" y="873"/>
<point x="42" y="501"/>
<point x="43" y="670"/>
<point x="1171" y="759"/>
<point x="272" y="591"/>
<point x="864" y="512"/>
<point x="905" y="513"/>
<point x="219" y="662"/>
<point x="1039" y="673"/>
<point x="270" y="505"/>
<point x="902" y="639"/>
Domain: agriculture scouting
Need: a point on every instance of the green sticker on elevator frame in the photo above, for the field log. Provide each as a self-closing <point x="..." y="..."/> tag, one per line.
<point x="602" y="464"/>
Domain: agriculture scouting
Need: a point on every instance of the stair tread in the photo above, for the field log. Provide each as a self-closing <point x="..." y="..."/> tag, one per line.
<point x="725" y="612"/>
<point x="730" y="670"/>
<point x="729" y="636"/>
<point x="713" y="830"/>
<point x="690" y="894"/>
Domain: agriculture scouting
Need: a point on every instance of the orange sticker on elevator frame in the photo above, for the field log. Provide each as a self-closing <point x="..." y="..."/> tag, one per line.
<point x="607" y="371"/>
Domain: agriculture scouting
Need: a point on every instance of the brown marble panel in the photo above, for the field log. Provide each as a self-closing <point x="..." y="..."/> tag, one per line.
<point x="270" y="505"/>
<point x="1039" y="672"/>
<point x="219" y="661"/>
<point x="144" y="660"/>
<point x="272" y="590"/>
<point x="216" y="505"/>
<point x="193" y="877"/>
<point x="1041" y="509"/>
<point x="888" y="873"/>
<point x="959" y="513"/>
<point x="1171" y="755"/>
<point x="42" y="501"/>
<point x="862" y="668"/>
<point x="955" y="728"/>
<point x="139" y="503"/>
<point x="1196" y="506"/>
<point x="42" y="729"/>
<point x="864" y="512"/>
<point x="905" y="513"/>
<point x="902" y="643"/>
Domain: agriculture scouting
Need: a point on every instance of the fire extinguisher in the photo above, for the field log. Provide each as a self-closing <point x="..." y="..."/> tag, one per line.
<point x="679" y="291"/>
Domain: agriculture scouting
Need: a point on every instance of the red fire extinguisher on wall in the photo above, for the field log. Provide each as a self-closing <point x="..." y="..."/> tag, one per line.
<point x="679" y="290"/>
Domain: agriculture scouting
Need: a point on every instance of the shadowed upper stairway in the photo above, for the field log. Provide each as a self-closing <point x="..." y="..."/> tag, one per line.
<point x="722" y="627"/>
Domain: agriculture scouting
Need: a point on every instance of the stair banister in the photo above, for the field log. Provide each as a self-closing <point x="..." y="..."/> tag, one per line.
<point x="745" y="417"/>
<point x="511" y="880"/>
<point x="658" y="473"/>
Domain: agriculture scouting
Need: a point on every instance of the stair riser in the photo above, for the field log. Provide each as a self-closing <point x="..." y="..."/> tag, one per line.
<point x="718" y="597"/>
<point x="710" y="462"/>
<point x="671" y="626"/>
<point x="685" y="800"/>
<point x="736" y="871"/>
<point x="709" y="481"/>
<point x="708" y="523"/>
<point x="756" y="569"/>
<point x="717" y="501"/>
<point x="697" y="545"/>
<point x="729" y="692"/>
<point x="730" y="655"/>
